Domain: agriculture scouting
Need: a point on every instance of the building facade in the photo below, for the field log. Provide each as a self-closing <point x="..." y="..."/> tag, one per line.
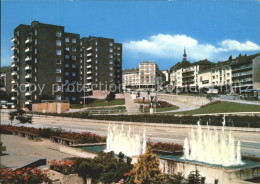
<point x="102" y="58"/>
<point x="147" y="76"/>
<point x="5" y="79"/>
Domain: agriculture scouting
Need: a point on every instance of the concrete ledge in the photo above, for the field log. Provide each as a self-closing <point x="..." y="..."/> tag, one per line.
<point x="76" y="152"/>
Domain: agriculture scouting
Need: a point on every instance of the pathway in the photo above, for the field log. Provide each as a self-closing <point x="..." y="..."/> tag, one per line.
<point x="131" y="107"/>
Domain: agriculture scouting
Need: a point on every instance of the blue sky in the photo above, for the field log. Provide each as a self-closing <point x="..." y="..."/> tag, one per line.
<point x="149" y="30"/>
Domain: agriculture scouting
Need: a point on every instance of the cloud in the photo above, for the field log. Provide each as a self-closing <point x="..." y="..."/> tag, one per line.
<point x="235" y="45"/>
<point x="171" y="46"/>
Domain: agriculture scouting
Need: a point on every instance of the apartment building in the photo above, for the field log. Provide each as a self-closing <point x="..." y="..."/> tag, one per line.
<point x="45" y="57"/>
<point x="218" y="76"/>
<point x="184" y="75"/>
<point x="101" y="64"/>
<point x="130" y="79"/>
<point x="146" y="76"/>
<point x="166" y="75"/>
<point x="5" y="79"/>
<point x="246" y="73"/>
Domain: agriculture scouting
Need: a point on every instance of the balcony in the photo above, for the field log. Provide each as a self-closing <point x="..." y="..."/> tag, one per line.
<point x="89" y="72"/>
<point x="89" y="83"/>
<point x="28" y="40"/>
<point x="89" y="66"/>
<point x="13" y="82"/>
<point x="14" y="39"/>
<point x="13" y="48"/>
<point x="89" y="54"/>
<point x="89" y="60"/>
<point x="28" y="102"/>
<point x="89" y="78"/>
<point x="28" y="49"/>
<point x="14" y="73"/>
<point x="89" y="90"/>
<point x="28" y="93"/>
<point x="14" y="65"/>
<point x="28" y="58"/>
<point x="28" y="67"/>
<point x="14" y="56"/>
<point x="27" y="85"/>
<point x="89" y="48"/>
<point x="188" y="70"/>
<point x="13" y="98"/>
<point x="28" y="76"/>
<point x="14" y="90"/>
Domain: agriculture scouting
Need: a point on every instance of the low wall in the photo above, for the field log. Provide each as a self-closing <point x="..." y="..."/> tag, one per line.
<point x="51" y="107"/>
<point x="76" y="152"/>
<point x="194" y="100"/>
<point x="224" y="176"/>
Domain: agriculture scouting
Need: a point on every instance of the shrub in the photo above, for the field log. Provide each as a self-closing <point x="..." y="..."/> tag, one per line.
<point x="166" y="146"/>
<point x="111" y="96"/>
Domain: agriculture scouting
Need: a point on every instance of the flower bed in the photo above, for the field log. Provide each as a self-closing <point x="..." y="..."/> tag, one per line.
<point x="214" y="102"/>
<point x="63" y="166"/>
<point x="84" y="137"/>
<point x="171" y="147"/>
<point x="25" y="176"/>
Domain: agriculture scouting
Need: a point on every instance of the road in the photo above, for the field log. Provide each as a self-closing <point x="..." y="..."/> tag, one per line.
<point x="250" y="141"/>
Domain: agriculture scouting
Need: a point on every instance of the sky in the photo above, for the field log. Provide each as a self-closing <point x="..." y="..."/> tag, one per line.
<point x="156" y="30"/>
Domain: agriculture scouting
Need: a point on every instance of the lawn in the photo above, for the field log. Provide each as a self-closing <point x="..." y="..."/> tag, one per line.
<point x="223" y="107"/>
<point x="91" y="102"/>
<point x="173" y="107"/>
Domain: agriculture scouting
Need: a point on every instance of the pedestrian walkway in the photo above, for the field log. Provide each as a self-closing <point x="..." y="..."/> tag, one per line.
<point x="131" y="107"/>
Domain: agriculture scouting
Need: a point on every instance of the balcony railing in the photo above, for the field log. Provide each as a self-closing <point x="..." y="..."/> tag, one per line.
<point x="28" y="102"/>
<point x="28" y="76"/>
<point x="28" y="58"/>
<point x="89" y="83"/>
<point x="14" y="65"/>
<point x="89" y="54"/>
<point x="13" y="98"/>
<point x="28" y="93"/>
<point x="89" y="48"/>
<point x="28" y="49"/>
<point x="14" y="90"/>
<point x="89" y="72"/>
<point x="28" y="40"/>
<point x="14" y="39"/>
<point x="89" y="78"/>
<point x="13" y="81"/>
<point x="89" y="90"/>
<point x="28" y="67"/>
<point x="14" y="73"/>
<point x="89" y="60"/>
<point x="27" y="85"/>
<point x="14" y="56"/>
<point x="13" y="47"/>
<point x="89" y="66"/>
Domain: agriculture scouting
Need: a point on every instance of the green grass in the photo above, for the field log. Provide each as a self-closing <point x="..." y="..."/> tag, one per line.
<point x="173" y="107"/>
<point x="223" y="107"/>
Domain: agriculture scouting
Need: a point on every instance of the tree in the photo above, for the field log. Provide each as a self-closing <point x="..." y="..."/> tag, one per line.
<point x="147" y="169"/>
<point x="209" y="97"/>
<point x="20" y="116"/>
<point x="230" y="58"/>
<point x="148" y="94"/>
<point x="4" y="96"/>
<point x="195" y="178"/>
<point x="111" y="96"/>
<point x="176" y="178"/>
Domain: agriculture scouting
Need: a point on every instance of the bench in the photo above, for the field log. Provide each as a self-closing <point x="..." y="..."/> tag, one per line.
<point x="62" y="140"/>
<point x="30" y="136"/>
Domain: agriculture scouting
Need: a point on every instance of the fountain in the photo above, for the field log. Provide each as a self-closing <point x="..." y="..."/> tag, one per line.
<point x="125" y="140"/>
<point x="212" y="147"/>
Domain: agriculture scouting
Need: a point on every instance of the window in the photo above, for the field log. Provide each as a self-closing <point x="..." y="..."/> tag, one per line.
<point x="58" y="42"/>
<point x="81" y="61"/>
<point x="110" y="56"/>
<point x="35" y="51"/>
<point x="74" y="49"/>
<point x="96" y="55"/>
<point x="58" y="79"/>
<point x="110" y="74"/>
<point x="96" y="43"/>
<point x="58" y="97"/>
<point x="110" y="50"/>
<point x="96" y="74"/>
<point x="58" y="34"/>
<point x="118" y="53"/>
<point x="73" y="66"/>
<point x="110" y="43"/>
<point x="110" y="80"/>
<point x="58" y="88"/>
<point x="67" y="73"/>
<point x="58" y="61"/>
<point x="73" y="57"/>
<point x="67" y="39"/>
<point x="96" y="49"/>
<point x="73" y="40"/>
<point x="67" y="49"/>
<point x="110" y="68"/>
<point x="58" y="52"/>
<point x="96" y="67"/>
<point x="74" y="74"/>
<point x="67" y="56"/>
<point x="73" y="98"/>
<point x="80" y="43"/>
<point x="35" y="60"/>
<point x="67" y="81"/>
<point x="118" y="48"/>
<point x="17" y="33"/>
<point x="35" y="32"/>
<point x="96" y="61"/>
<point x="111" y="62"/>
<point x="58" y="70"/>
<point x="35" y="41"/>
<point x="35" y="79"/>
<point x="67" y="65"/>
<point x="67" y="98"/>
<point x="35" y="70"/>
